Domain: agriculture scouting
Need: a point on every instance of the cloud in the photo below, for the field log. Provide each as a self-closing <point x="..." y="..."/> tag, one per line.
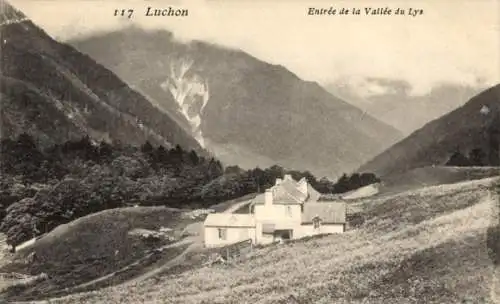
<point x="366" y="87"/>
<point x="451" y="43"/>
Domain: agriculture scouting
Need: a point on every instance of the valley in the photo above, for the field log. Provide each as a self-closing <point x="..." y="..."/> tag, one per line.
<point x="242" y="164"/>
<point x="252" y="111"/>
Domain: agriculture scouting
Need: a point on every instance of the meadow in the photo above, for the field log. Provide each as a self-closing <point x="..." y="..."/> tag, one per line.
<point x="429" y="245"/>
<point x="96" y="246"/>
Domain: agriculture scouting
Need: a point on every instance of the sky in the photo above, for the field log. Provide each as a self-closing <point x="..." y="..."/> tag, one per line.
<point x="452" y="42"/>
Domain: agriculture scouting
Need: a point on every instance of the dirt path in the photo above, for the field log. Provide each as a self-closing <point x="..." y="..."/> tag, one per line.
<point x="173" y="262"/>
<point x="195" y="242"/>
<point x="196" y="239"/>
<point x="103" y="278"/>
<point x="235" y="207"/>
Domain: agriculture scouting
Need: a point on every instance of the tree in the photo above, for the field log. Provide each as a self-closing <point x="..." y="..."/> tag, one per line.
<point x="133" y="167"/>
<point x="324" y="185"/>
<point x="162" y="154"/>
<point x="214" y="169"/>
<point x="457" y="159"/>
<point x="147" y="148"/>
<point x="342" y="184"/>
<point x="355" y="181"/>
<point x="477" y="157"/>
<point x="347" y="183"/>
<point x="26" y="141"/>
<point x="105" y="151"/>
<point x="494" y="141"/>
<point x="368" y="179"/>
<point x="82" y="148"/>
<point x="275" y="172"/>
<point x="233" y="170"/>
<point x="19" y="222"/>
<point x="193" y="158"/>
<point x="21" y="232"/>
<point x="78" y="182"/>
<point x="22" y="157"/>
<point x="257" y="175"/>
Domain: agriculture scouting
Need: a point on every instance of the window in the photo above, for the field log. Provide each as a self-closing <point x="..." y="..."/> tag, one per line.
<point x="316" y="222"/>
<point x="222" y="233"/>
<point x="289" y="211"/>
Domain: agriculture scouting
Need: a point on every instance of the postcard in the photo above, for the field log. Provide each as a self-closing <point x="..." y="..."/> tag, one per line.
<point x="211" y="151"/>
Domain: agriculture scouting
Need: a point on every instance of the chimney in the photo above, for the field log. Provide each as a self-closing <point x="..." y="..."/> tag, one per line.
<point x="268" y="197"/>
<point x="278" y="181"/>
<point x="288" y="177"/>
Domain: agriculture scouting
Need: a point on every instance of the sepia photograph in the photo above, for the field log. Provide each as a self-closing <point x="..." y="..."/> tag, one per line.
<point x="261" y="152"/>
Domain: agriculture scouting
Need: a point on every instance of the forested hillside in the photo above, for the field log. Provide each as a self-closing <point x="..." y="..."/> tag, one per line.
<point x="43" y="188"/>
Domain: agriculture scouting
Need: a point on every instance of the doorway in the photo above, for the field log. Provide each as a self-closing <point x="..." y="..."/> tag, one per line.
<point x="283" y="234"/>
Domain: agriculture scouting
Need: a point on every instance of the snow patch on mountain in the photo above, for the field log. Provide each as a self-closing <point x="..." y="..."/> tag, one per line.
<point x="191" y="93"/>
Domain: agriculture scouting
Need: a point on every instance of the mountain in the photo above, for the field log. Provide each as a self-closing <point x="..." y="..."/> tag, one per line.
<point x="390" y="101"/>
<point x="53" y="92"/>
<point x="248" y="112"/>
<point x="476" y="124"/>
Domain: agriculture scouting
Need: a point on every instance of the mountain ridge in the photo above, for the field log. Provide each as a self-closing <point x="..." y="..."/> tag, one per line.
<point x="252" y="113"/>
<point x="476" y="124"/>
<point x="56" y="93"/>
<point x="391" y="100"/>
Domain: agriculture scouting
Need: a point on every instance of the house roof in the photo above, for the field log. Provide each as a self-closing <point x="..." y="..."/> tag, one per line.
<point x="328" y="212"/>
<point x="229" y="220"/>
<point x="288" y="190"/>
<point x="284" y="193"/>
<point x="259" y="199"/>
<point x="314" y="195"/>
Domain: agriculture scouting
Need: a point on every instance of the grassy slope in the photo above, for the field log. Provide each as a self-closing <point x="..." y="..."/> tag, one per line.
<point x="427" y="245"/>
<point x="466" y="128"/>
<point x="432" y="176"/>
<point x="221" y="207"/>
<point x="95" y="245"/>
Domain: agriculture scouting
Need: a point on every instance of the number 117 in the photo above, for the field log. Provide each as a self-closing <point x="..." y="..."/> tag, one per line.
<point x="124" y="12"/>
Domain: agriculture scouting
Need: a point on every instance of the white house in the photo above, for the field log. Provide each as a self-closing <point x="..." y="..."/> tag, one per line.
<point x="288" y="210"/>
<point x="227" y="228"/>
